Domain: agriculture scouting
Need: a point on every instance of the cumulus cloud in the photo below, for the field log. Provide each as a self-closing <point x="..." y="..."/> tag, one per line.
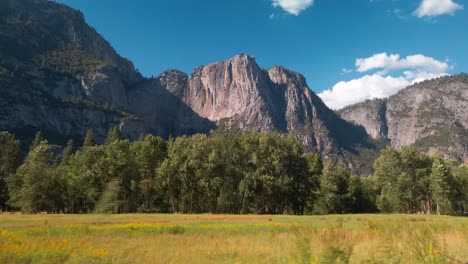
<point x="432" y="8"/>
<point x="381" y="84"/>
<point x="294" y="7"/>
<point x="358" y="90"/>
<point x="394" y="62"/>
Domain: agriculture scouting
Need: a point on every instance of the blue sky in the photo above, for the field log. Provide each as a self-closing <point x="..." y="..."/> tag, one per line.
<point x="322" y="39"/>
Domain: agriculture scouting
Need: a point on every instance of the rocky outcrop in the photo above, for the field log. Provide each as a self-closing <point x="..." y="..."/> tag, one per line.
<point x="432" y="115"/>
<point x="33" y="27"/>
<point x="59" y="76"/>
<point x="238" y="95"/>
<point x="160" y="111"/>
<point x="369" y="114"/>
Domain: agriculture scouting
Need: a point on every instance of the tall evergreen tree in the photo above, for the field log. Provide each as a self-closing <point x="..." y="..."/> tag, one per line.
<point x="90" y="139"/>
<point x="113" y="135"/>
<point x="441" y="186"/>
<point x="460" y="174"/>
<point x="10" y="158"/>
<point x="68" y="151"/>
<point x="37" y="140"/>
<point x="314" y="172"/>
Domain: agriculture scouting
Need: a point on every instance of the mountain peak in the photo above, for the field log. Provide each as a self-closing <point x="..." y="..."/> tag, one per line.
<point x="78" y="93"/>
<point x="243" y="60"/>
<point x="243" y="57"/>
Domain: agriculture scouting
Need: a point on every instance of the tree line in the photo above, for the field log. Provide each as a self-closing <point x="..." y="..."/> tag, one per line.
<point x="262" y="173"/>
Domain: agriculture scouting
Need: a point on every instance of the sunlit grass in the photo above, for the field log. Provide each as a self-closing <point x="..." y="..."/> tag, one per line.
<point x="142" y="238"/>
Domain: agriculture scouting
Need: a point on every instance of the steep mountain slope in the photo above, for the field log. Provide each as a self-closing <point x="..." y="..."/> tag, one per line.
<point x="238" y="95"/>
<point x="59" y="76"/>
<point x="432" y="115"/>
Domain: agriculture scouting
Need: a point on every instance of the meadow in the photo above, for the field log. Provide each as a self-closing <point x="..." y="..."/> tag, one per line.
<point x="170" y="238"/>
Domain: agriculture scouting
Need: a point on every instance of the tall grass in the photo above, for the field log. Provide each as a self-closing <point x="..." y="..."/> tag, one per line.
<point x="233" y="239"/>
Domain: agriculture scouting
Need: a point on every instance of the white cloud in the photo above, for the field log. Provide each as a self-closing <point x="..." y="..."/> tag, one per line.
<point x="294" y="7"/>
<point x="416" y="77"/>
<point x="358" y="90"/>
<point x="346" y="71"/>
<point x="436" y="8"/>
<point x="380" y="84"/>
<point x="394" y="62"/>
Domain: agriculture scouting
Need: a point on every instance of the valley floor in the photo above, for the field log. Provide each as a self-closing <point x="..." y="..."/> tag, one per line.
<point x="158" y="238"/>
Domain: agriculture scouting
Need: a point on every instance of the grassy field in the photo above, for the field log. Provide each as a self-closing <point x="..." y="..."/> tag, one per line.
<point x="139" y="238"/>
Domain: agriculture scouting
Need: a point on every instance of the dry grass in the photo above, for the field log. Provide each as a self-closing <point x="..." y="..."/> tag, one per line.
<point x="232" y="239"/>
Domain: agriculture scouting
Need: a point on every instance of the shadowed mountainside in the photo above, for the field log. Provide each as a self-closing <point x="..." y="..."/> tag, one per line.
<point x="58" y="75"/>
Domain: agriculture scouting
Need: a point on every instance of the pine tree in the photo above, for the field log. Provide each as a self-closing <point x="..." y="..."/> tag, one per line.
<point x="460" y="175"/>
<point x="90" y="139"/>
<point x="441" y="182"/>
<point x="113" y="135"/>
<point x="37" y="140"/>
<point x="10" y="158"/>
<point x="68" y="151"/>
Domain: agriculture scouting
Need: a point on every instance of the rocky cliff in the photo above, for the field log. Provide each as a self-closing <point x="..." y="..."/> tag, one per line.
<point x="59" y="76"/>
<point x="56" y="73"/>
<point x="238" y="95"/>
<point x="432" y="115"/>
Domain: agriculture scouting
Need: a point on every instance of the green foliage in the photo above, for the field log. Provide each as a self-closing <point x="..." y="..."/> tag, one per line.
<point x="67" y="151"/>
<point x="387" y="170"/>
<point x="409" y="181"/>
<point x="70" y="60"/>
<point x="460" y="175"/>
<point x="361" y="198"/>
<point x="10" y="160"/>
<point x="262" y="173"/>
<point x="121" y="116"/>
<point x="149" y="153"/>
<point x="442" y="137"/>
<point x="254" y="172"/>
<point x="441" y="186"/>
<point x="37" y="140"/>
<point x="107" y="202"/>
<point x="90" y="139"/>
<point x="334" y="184"/>
<point x="35" y="187"/>
<point x="84" y="175"/>
<point x="113" y="135"/>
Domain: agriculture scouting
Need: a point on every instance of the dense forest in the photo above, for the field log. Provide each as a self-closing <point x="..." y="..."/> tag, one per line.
<point x="262" y="173"/>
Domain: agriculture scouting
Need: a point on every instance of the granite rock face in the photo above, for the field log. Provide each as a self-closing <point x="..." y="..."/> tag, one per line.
<point x="238" y="95"/>
<point x="60" y="76"/>
<point x="432" y="115"/>
<point x="57" y="74"/>
<point x="371" y="115"/>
